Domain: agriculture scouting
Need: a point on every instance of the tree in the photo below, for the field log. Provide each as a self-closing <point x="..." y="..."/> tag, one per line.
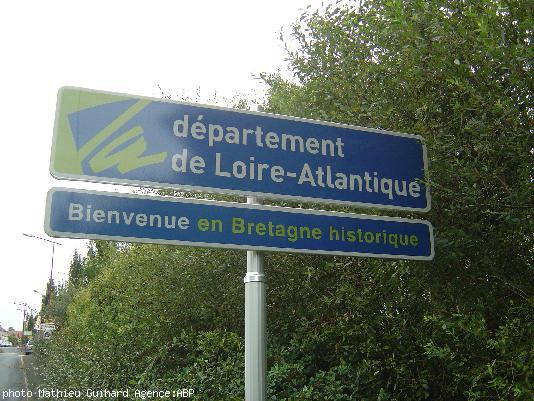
<point x="98" y="256"/>
<point x="30" y="322"/>
<point x="49" y="299"/>
<point x="13" y="340"/>
<point x="459" y="74"/>
<point x="76" y="271"/>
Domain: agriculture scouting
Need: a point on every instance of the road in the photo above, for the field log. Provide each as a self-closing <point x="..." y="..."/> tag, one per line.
<point x="13" y="383"/>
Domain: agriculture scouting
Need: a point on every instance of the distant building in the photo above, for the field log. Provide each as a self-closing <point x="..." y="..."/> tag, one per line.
<point x="3" y="334"/>
<point x="16" y="333"/>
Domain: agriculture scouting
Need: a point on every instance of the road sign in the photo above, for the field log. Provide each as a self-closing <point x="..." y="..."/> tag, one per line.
<point x="47" y="326"/>
<point x="77" y="213"/>
<point x="106" y="137"/>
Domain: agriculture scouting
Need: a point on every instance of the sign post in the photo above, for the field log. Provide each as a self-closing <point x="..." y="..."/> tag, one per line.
<point x="255" y="325"/>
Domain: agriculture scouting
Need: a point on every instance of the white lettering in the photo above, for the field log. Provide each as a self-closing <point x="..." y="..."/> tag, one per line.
<point x="179" y="162"/>
<point x="181" y="127"/>
<point x="388" y="190"/>
<point x="75" y="211"/>
<point x="198" y="129"/>
<point x="312" y="146"/>
<point x="414" y="189"/>
<point x="306" y="175"/>
<point x="197" y="165"/>
<point x="212" y="138"/>
<point x="277" y="173"/>
<point x="141" y="219"/>
<point x="271" y="139"/>
<point x="218" y="170"/>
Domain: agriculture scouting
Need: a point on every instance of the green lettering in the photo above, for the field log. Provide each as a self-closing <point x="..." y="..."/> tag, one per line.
<point x="238" y="225"/>
<point x="203" y="224"/>
<point x="292" y="233"/>
<point x="261" y="229"/>
<point x="280" y="230"/>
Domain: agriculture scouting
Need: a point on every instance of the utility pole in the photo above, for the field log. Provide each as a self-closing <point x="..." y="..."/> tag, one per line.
<point x="27" y="311"/>
<point x="23" y="319"/>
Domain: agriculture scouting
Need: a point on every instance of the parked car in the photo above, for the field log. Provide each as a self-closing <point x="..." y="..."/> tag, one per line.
<point x="28" y="349"/>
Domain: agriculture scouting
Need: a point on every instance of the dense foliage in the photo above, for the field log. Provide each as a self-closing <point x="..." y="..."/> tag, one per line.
<point x="456" y="72"/>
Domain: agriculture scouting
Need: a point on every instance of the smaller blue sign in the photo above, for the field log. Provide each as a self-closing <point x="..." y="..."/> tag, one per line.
<point x="74" y="213"/>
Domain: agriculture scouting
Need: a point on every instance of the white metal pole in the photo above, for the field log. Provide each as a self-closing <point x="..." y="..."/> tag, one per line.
<point x="255" y="325"/>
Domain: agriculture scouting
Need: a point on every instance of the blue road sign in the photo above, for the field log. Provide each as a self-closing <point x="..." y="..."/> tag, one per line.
<point x="74" y="213"/>
<point x="106" y="137"/>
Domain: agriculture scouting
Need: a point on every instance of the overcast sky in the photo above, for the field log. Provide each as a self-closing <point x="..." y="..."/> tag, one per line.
<point x="123" y="46"/>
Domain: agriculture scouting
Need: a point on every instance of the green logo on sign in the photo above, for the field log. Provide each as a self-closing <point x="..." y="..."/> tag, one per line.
<point x="90" y="140"/>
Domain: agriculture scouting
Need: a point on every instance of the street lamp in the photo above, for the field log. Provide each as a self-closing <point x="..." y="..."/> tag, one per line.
<point x="53" y="249"/>
<point x="25" y="308"/>
<point x="43" y="296"/>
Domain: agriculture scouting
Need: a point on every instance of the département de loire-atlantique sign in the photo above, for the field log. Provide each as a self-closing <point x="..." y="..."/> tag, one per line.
<point x="114" y="138"/>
